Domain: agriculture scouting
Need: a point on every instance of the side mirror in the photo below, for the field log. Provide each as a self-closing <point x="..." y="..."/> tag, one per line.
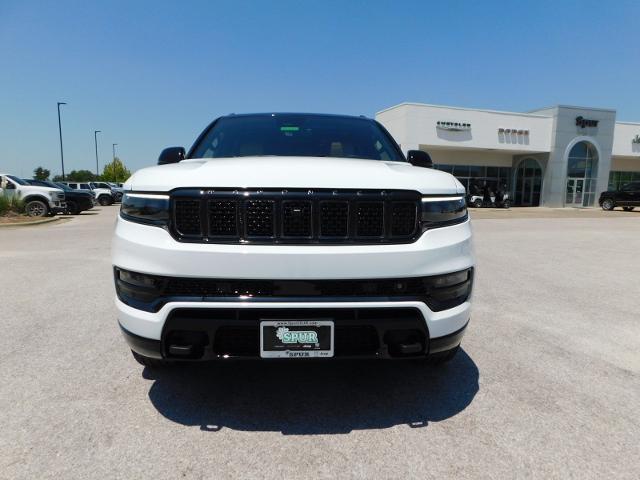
<point x="418" y="158"/>
<point x="171" y="155"/>
<point x="10" y="186"/>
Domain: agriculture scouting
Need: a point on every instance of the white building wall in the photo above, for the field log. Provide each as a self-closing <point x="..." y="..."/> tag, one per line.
<point x="626" y="152"/>
<point x="414" y="124"/>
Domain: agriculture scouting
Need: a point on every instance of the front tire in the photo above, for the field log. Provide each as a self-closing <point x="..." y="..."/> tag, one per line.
<point x="608" y="204"/>
<point x="36" y="208"/>
<point x="628" y="209"/>
<point x="506" y="204"/>
<point x="477" y="203"/>
<point x="150" y="362"/>
<point x="72" y="208"/>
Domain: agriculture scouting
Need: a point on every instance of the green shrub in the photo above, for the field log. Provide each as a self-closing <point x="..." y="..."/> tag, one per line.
<point x="10" y="205"/>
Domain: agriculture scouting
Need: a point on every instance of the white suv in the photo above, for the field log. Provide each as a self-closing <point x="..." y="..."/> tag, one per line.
<point x="292" y="236"/>
<point x="102" y="195"/>
<point x="38" y="201"/>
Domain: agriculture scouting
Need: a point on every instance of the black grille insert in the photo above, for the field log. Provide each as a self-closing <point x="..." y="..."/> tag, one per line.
<point x="295" y="216"/>
<point x="187" y="217"/>
<point x="223" y="218"/>
<point x="260" y="217"/>
<point x="334" y="219"/>
<point x="403" y="217"/>
<point x="370" y="219"/>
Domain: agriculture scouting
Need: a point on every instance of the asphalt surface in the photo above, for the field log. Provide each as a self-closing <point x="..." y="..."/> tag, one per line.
<point x="547" y="386"/>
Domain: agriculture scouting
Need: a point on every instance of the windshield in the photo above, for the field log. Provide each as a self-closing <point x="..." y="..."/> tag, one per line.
<point x="19" y="181"/>
<point x="297" y="135"/>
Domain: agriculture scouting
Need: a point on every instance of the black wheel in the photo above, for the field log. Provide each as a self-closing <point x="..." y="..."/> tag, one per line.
<point x="72" y="208"/>
<point x="628" y="209"/>
<point x="37" y="208"/>
<point x="506" y="204"/>
<point x="118" y="197"/>
<point x="477" y="203"/>
<point x="441" y="358"/>
<point x="608" y="204"/>
<point x="105" y="200"/>
<point x="150" y="362"/>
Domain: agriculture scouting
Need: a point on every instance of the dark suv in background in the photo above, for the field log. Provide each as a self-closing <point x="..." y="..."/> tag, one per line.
<point x="77" y="200"/>
<point x="627" y="197"/>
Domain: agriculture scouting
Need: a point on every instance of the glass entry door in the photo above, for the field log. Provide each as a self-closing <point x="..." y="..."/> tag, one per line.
<point x="575" y="192"/>
<point x="528" y="184"/>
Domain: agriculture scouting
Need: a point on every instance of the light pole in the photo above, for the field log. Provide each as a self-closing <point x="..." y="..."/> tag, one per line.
<point x="60" y="132"/>
<point x="115" y="171"/>
<point x="95" y="139"/>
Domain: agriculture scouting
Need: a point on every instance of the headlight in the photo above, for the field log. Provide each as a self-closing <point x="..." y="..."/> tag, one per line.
<point x="441" y="211"/>
<point x="146" y="208"/>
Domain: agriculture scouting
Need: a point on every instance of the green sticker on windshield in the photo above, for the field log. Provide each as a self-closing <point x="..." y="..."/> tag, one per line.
<point x="289" y="129"/>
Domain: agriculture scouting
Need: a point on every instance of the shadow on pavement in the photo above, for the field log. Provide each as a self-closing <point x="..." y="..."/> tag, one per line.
<point x="312" y="398"/>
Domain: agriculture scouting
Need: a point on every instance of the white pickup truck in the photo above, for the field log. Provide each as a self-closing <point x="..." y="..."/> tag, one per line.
<point x="39" y="201"/>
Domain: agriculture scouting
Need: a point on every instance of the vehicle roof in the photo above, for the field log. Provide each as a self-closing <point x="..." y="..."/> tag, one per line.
<point x="276" y="114"/>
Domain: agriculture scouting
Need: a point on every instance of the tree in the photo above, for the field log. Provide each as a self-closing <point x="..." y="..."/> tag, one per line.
<point x="115" y="171"/>
<point x="81" y="176"/>
<point x="41" y="174"/>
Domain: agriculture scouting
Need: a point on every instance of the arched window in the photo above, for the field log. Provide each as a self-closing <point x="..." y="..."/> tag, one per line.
<point x="583" y="161"/>
<point x="582" y="170"/>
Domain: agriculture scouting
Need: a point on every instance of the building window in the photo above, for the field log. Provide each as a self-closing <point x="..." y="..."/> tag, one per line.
<point x="476" y="177"/>
<point x="617" y="179"/>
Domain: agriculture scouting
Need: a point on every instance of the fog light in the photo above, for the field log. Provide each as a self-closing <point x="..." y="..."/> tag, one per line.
<point x="136" y="279"/>
<point x="450" y="279"/>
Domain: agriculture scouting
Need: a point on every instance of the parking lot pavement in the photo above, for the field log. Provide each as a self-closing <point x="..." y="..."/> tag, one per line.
<point x="544" y="212"/>
<point x="548" y="384"/>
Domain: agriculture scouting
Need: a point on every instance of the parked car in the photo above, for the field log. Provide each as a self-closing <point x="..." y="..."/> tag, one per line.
<point x="76" y="201"/>
<point x="115" y="190"/>
<point x="118" y="189"/>
<point x="102" y="195"/>
<point x="293" y="236"/>
<point x="39" y="201"/>
<point x="627" y="197"/>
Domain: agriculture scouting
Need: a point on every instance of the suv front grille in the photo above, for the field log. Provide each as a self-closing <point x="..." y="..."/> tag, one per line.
<point x="295" y="216"/>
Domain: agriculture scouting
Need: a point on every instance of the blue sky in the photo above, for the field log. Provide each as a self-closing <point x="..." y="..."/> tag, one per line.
<point x="154" y="74"/>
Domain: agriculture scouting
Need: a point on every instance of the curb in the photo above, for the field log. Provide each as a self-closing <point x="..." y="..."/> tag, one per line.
<point x="27" y="224"/>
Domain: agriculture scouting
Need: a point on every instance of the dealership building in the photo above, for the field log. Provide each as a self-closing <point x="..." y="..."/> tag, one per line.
<point x="561" y="156"/>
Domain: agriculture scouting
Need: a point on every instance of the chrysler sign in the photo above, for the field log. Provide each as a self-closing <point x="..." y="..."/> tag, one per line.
<point x="455" y="126"/>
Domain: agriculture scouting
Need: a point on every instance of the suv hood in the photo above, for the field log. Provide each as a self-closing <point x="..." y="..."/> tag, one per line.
<point x="42" y="189"/>
<point x="293" y="172"/>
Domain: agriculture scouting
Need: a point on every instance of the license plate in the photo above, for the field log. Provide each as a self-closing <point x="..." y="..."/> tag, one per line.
<point x="296" y="338"/>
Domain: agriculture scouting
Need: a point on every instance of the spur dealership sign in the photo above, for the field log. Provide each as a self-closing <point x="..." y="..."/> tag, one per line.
<point x="585" y="122"/>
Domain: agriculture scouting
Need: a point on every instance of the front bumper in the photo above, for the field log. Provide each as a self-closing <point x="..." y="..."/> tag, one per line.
<point x="58" y="207"/>
<point x="152" y="250"/>
<point x="375" y="334"/>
